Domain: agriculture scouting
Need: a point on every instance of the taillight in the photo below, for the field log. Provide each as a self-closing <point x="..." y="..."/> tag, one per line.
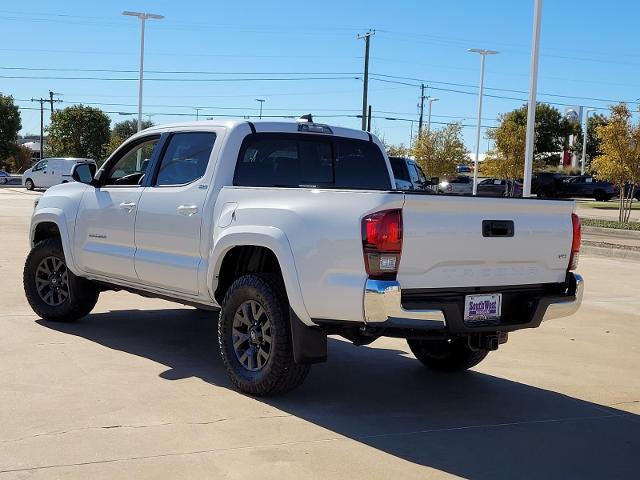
<point x="382" y="243"/>
<point x="575" y="244"/>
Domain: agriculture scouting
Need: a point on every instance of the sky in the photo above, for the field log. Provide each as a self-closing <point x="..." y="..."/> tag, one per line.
<point x="214" y="59"/>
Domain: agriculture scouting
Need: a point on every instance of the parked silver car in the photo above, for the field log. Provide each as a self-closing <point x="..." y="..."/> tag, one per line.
<point x="461" y="185"/>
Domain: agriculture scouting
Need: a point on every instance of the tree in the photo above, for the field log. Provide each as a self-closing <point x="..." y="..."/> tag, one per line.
<point x="593" y="141"/>
<point x="78" y="131"/>
<point x="439" y="151"/>
<point x="19" y="161"/>
<point x="620" y="159"/>
<point x="10" y="125"/>
<point x="552" y="130"/>
<point x="127" y="128"/>
<point x="397" y="150"/>
<point x="506" y="160"/>
<point x="123" y="130"/>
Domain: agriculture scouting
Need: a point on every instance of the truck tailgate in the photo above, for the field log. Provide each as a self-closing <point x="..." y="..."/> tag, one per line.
<point x="444" y="244"/>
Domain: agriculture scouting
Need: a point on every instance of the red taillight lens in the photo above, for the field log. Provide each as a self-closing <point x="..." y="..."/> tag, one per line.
<point x="382" y="243"/>
<point x="575" y="244"/>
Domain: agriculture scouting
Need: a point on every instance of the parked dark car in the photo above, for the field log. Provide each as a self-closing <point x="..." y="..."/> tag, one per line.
<point x="4" y="177"/>
<point x="587" y="186"/>
<point x="547" y="184"/>
<point x="462" y="168"/>
<point x="497" y="187"/>
<point x="408" y="174"/>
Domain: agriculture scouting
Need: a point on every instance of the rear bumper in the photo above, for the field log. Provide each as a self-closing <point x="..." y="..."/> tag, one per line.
<point x="383" y="306"/>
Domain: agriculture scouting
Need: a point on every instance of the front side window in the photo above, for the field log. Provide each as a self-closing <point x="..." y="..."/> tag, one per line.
<point x="186" y="158"/>
<point x="131" y="167"/>
<point x="302" y="160"/>
<point x="40" y="165"/>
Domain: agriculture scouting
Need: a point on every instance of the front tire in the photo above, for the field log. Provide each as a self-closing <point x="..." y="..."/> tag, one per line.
<point x="53" y="291"/>
<point x="28" y="184"/>
<point x="446" y="355"/>
<point x="255" y="339"/>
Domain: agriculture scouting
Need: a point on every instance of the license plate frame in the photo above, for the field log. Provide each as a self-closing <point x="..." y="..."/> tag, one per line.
<point x="482" y="307"/>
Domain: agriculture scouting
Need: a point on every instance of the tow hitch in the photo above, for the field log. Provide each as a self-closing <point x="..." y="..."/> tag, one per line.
<point x="487" y="341"/>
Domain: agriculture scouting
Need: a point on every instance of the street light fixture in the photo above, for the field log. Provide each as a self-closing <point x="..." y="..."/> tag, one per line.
<point x="143" y="17"/>
<point x="261" y="100"/>
<point x="483" y="53"/>
<point x="584" y="140"/>
<point x="430" y="100"/>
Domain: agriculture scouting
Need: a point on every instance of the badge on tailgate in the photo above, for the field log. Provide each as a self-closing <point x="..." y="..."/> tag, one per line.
<point x="482" y="307"/>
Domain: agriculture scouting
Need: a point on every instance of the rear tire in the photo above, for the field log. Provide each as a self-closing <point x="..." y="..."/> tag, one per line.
<point x="446" y="356"/>
<point x="255" y="338"/>
<point x="28" y="184"/>
<point x="601" y="196"/>
<point x="53" y="291"/>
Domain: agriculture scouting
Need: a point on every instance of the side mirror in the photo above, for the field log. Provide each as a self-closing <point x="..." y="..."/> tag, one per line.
<point x="83" y="172"/>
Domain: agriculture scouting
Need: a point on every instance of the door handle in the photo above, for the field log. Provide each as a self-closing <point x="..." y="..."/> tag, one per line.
<point x="188" y="210"/>
<point x="128" y="206"/>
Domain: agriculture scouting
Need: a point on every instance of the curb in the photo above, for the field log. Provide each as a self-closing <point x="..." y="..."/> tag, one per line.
<point x="612" y="232"/>
<point x="610" y="252"/>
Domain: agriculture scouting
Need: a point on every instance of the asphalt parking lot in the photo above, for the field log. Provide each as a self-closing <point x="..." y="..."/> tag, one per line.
<point x="137" y="390"/>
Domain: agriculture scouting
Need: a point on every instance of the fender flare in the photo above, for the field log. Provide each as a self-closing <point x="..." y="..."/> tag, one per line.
<point x="57" y="216"/>
<point x="262" y="236"/>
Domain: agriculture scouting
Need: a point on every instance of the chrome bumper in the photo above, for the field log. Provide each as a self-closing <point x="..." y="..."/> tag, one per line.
<point x="382" y="304"/>
<point x="567" y="307"/>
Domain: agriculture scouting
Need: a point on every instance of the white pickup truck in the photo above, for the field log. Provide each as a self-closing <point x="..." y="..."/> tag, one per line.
<point x="293" y="231"/>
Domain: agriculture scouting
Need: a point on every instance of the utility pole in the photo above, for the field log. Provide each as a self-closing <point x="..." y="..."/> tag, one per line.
<point x="365" y="89"/>
<point x="42" y="101"/>
<point x="261" y="100"/>
<point x="51" y="100"/>
<point x="421" y="105"/>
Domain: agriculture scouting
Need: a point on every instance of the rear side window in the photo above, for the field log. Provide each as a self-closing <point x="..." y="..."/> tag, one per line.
<point x="298" y="160"/>
<point x="185" y="158"/>
<point x="397" y="165"/>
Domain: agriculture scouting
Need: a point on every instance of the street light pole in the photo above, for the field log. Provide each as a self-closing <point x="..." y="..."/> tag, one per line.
<point x="261" y="100"/>
<point x="143" y="17"/>
<point x="531" y="106"/>
<point x="483" y="53"/>
<point x="431" y="100"/>
<point x="584" y="140"/>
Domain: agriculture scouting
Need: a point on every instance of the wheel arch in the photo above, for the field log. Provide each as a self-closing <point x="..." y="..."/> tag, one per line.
<point x="50" y="222"/>
<point x="262" y="245"/>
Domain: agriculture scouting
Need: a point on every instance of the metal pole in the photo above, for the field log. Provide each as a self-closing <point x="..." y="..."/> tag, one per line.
<point x="476" y="162"/>
<point x="365" y="89"/>
<point x="369" y="120"/>
<point x="585" y="132"/>
<point x="41" y="128"/>
<point x="431" y="100"/>
<point x="422" y="97"/>
<point x="531" y="109"/>
<point x="142" y="19"/>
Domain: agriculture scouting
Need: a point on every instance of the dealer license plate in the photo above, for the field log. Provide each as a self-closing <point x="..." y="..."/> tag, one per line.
<point x="482" y="307"/>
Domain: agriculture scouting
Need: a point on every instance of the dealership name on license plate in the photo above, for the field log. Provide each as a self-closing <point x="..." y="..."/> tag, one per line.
<point x="483" y="307"/>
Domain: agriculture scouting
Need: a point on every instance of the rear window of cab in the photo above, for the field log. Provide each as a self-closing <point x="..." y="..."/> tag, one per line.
<point x="310" y="161"/>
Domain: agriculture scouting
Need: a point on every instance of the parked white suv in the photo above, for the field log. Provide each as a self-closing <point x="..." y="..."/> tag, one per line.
<point x="52" y="171"/>
<point x="295" y="232"/>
